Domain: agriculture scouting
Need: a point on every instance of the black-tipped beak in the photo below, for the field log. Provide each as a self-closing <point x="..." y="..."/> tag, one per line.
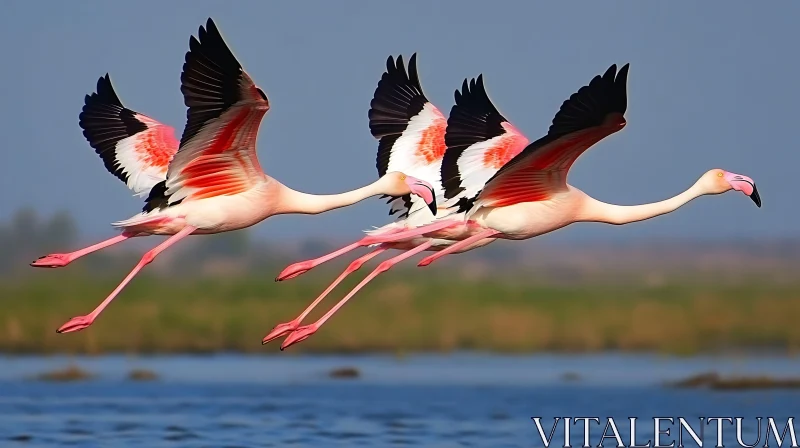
<point x="755" y="196"/>
<point x="432" y="205"/>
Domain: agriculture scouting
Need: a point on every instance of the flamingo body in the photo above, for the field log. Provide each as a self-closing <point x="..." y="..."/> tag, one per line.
<point x="530" y="219"/>
<point x="210" y="215"/>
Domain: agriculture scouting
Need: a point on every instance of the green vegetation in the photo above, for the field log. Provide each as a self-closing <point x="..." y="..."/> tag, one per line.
<point x="402" y="311"/>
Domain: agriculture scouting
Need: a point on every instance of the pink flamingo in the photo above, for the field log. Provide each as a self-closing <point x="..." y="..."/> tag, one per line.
<point x="412" y="137"/>
<point x="529" y="196"/>
<point x="211" y="181"/>
<point x="410" y="131"/>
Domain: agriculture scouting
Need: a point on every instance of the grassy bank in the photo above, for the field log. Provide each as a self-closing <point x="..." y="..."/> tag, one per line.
<point x="401" y="312"/>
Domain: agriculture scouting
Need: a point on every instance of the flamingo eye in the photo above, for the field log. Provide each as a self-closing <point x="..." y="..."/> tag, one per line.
<point x="719" y="174"/>
<point x="402" y="177"/>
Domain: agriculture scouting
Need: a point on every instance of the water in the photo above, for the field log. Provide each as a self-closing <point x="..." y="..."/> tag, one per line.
<point x="438" y="401"/>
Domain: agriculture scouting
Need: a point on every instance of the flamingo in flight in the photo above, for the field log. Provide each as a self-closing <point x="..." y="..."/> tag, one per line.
<point x="528" y="195"/>
<point x="209" y="182"/>
<point x="412" y="136"/>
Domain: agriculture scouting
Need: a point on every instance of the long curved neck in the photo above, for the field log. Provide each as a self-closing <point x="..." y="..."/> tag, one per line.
<point x="292" y="201"/>
<point x="597" y="211"/>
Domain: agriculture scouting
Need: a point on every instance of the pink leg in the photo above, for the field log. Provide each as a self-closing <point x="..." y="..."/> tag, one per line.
<point x="81" y="322"/>
<point x="288" y="327"/>
<point x="302" y="333"/>
<point x="458" y="246"/>
<point x="302" y="267"/>
<point x="410" y="233"/>
<point x="60" y="260"/>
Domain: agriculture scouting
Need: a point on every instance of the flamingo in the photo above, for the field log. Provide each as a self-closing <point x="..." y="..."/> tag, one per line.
<point x="413" y="136"/>
<point x="528" y="195"/>
<point x="209" y="182"/>
<point x="410" y="131"/>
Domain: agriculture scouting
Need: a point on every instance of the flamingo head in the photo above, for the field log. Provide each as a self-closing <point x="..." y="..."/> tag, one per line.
<point x="719" y="181"/>
<point x="401" y="184"/>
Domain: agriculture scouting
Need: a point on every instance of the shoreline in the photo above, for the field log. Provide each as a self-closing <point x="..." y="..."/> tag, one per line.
<point x="748" y="355"/>
<point x="619" y="370"/>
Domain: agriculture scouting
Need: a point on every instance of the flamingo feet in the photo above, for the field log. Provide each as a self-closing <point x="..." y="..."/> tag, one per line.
<point x="76" y="324"/>
<point x="52" y="261"/>
<point x="299" y="335"/>
<point x="281" y="330"/>
<point x="427" y="260"/>
<point x="294" y="270"/>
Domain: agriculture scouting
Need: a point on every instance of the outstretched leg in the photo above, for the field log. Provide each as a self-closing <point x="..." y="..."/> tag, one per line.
<point x="458" y="246"/>
<point x="302" y="267"/>
<point x="288" y="327"/>
<point x="61" y="260"/>
<point x="302" y="333"/>
<point x="410" y="233"/>
<point x="81" y="322"/>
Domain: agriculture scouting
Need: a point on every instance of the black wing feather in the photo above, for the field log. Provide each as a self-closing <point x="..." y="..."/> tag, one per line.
<point x="397" y="99"/>
<point x="473" y="119"/>
<point x="106" y="122"/>
<point x="587" y="108"/>
<point x="210" y="81"/>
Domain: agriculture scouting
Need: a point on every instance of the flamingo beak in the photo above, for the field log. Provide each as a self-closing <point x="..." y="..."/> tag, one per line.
<point x="428" y="196"/>
<point x="744" y="184"/>
<point x="432" y="203"/>
<point x="424" y="191"/>
<point x="755" y="196"/>
<point x="747" y="187"/>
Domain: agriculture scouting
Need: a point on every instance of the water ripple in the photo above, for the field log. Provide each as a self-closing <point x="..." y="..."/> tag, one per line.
<point x="188" y="412"/>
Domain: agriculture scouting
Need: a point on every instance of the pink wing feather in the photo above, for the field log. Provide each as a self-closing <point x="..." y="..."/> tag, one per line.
<point x="134" y="147"/>
<point x="594" y="112"/>
<point x="479" y="142"/>
<point x="217" y="154"/>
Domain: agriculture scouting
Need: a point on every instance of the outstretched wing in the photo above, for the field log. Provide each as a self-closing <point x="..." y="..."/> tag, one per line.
<point x="410" y="131"/>
<point x="134" y="147"/>
<point x="479" y="142"/>
<point x="594" y="112"/>
<point x="217" y="154"/>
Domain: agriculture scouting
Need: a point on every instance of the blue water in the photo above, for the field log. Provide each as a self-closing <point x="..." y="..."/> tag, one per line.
<point x="438" y="401"/>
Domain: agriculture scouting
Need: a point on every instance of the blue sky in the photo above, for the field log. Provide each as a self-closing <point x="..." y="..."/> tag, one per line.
<point x="711" y="85"/>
